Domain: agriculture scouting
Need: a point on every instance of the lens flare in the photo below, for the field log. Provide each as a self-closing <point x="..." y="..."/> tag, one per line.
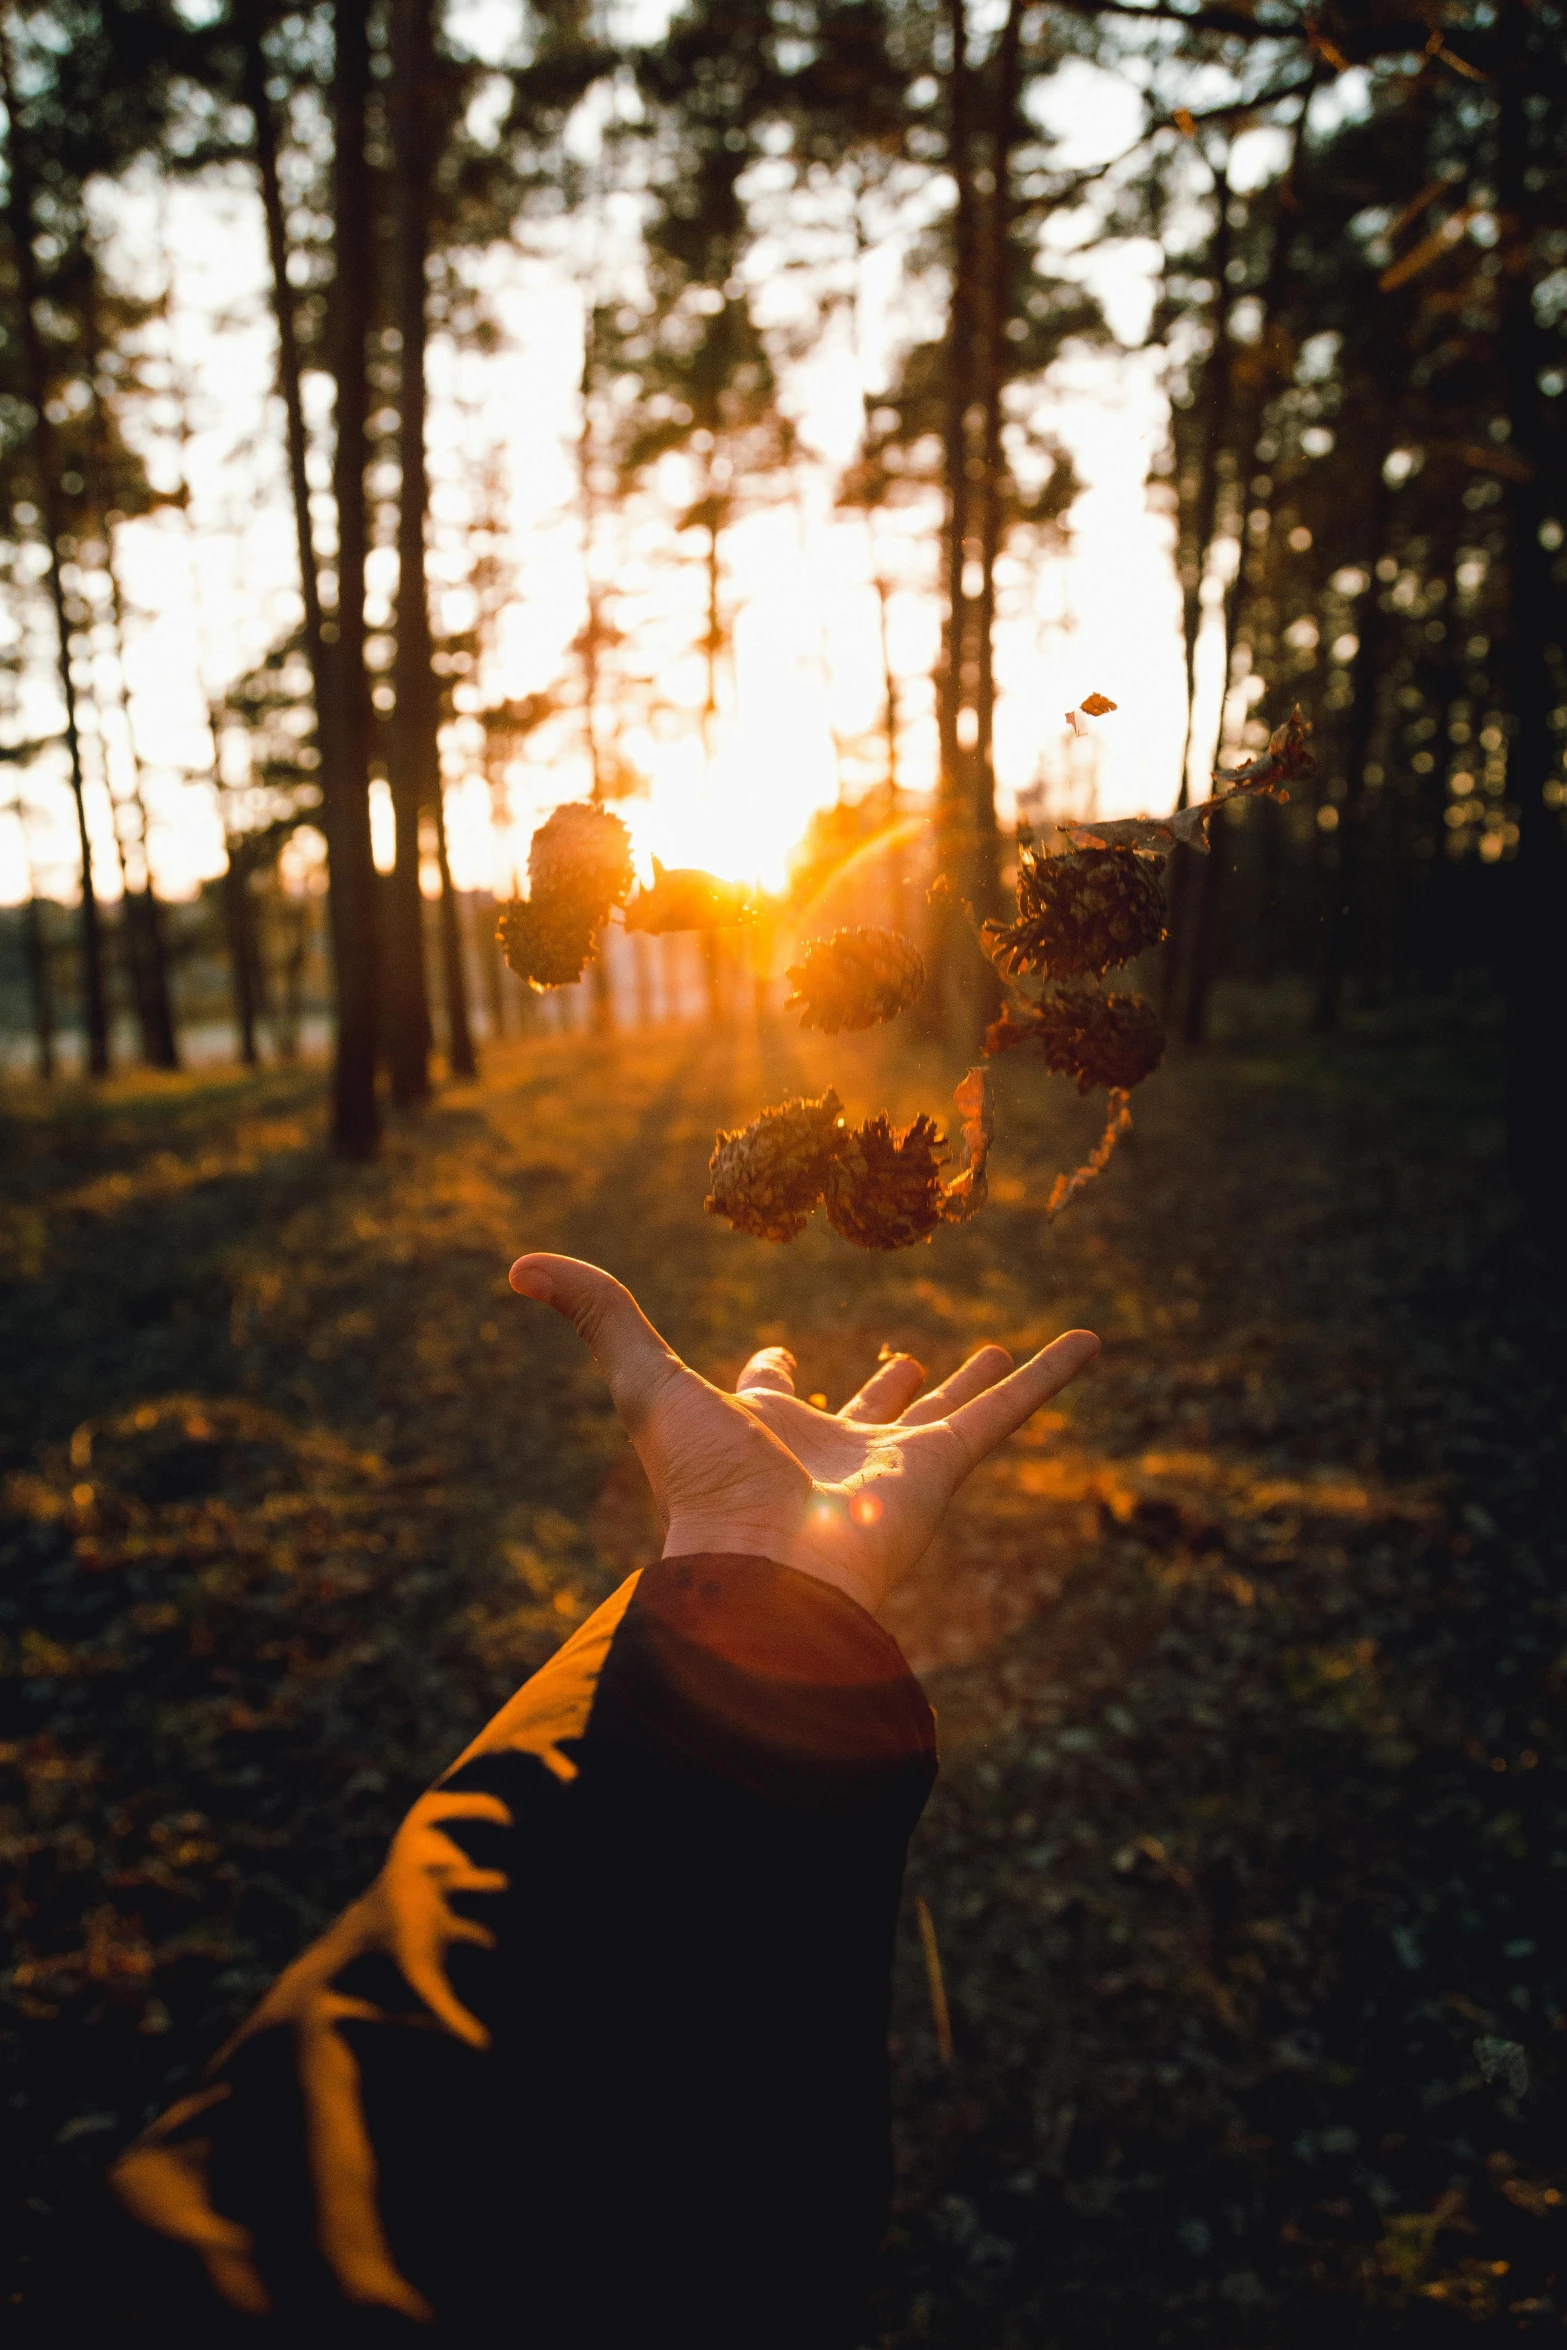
<point x="865" y="1509"/>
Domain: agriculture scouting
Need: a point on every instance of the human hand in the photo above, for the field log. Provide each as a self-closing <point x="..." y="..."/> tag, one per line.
<point x="852" y="1497"/>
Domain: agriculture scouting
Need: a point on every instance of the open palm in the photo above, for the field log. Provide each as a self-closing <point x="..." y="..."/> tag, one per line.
<point x="852" y="1497"/>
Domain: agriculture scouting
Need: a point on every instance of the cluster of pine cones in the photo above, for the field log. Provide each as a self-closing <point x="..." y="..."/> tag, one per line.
<point x="881" y="1189"/>
<point x="579" y="867"/>
<point x="1082" y="913"/>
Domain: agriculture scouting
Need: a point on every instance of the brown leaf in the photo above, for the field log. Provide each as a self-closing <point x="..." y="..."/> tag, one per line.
<point x="1066" y="1187"/>
<point x="965" y="1195"/>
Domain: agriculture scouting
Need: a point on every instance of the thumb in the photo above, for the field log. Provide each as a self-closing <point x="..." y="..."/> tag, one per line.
<point x="622" y="1341"/>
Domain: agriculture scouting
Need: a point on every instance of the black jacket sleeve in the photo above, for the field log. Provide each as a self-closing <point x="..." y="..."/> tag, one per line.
<point x="600" y="2058"/>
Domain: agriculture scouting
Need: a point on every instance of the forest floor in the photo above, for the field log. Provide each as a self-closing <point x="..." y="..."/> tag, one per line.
<point x="1249" y="1855"/>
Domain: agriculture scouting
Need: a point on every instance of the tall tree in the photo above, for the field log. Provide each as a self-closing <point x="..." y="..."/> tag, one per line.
<point x="39" y="366"/>
<point x="355" y="1114"/>
<point x="413" y="759"/>
<point x="142" y="921"/>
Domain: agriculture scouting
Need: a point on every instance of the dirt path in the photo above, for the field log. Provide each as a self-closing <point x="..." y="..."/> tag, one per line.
<point x="1251" y="1828"/>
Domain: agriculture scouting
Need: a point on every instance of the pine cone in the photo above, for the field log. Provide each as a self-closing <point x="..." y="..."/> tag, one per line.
<point x="546" y="940"/>
<point x="884" y="1190"/>
<point x="581" y="854"/>
<point x="1080" y="913"/>
<point x="855" y="979"/>
<point x="770" y="1175"/>
<point x="1113" y="1040"/>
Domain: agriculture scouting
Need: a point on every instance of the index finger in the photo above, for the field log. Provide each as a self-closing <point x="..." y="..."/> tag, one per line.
<point x="989" y="1419"/>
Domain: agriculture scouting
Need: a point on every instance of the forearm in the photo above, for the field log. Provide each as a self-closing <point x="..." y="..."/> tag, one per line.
<point x="626" y="1970"/>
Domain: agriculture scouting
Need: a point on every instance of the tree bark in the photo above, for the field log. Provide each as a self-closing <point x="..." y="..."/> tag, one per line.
<point x="592" y="640"/>
<point x="19" y="211"/>
<point x="413" y="764"/>
<point x="959" y="392"/>
<point x="985" y="876"/>
<point x="239" y="923"/>
<point x="1189" y="872"/>
<point x="355" y="1114"/>
<point x="1342" y="869"/>
<point x="40" y="981"/>
<point x="1536" y="974"/>
<point x="288" y="368"/>
<point x="462" y="1060"/>
<point x="141" y="913"/>
<point x="889" y="681"/>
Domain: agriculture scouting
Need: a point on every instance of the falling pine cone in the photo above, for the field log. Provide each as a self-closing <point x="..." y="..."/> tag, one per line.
<point x="581" y="855"/>
<point x="855" y="979"/>
<point x="884" y="1190"/>
<point x="769" y="1176"/>
<point x="1080" y="913"/>
<point x="546" y="940"/>
<point x="1112" y="1040"/>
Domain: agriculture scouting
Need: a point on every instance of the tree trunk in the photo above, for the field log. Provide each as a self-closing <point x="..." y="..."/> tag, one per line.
<point x="715" y="640"/>
<point x="947" y="1008"/>
<point x="19" y="214"/>
<point x="40" y="982"/>
<point x="288" y="368"/>
<point x="239" y="924"/>
<point x="960" y="362"/>
<point x="1341" y="852"/>
<point x="462" y="1060"/>
<point x="984" y="874"/>
<point x="593" y="624"/>
<point x="1536" y="973"/>
<point x="355" y="1115"/>
<point x="140" y="912"/>
<point x="413" y="765"/>
<point x="889" y="682"/>
<point x="492" y="969"/>
<point x="961" y="338"/>
<point x="1216" y="397"/>
<point x="1189" y="872"/>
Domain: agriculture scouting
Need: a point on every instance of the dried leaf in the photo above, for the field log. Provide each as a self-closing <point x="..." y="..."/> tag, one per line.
<point x="1286" y="759"/>
<point x="965" y="1195"/>
<point x="1066" y="1187"/>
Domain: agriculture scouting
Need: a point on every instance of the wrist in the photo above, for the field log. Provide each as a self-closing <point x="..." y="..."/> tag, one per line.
<point x="732" y="1537"/>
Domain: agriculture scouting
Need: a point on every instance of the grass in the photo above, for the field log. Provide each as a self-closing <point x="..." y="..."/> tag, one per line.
<point x="1247" y="1656"/>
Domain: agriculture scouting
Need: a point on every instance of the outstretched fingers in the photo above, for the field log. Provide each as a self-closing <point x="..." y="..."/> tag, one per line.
<point x="982" y="1370"/>
<point x="622" y="1341"/>
<point x="896" y="1380"/>
<point x="986" y="1420"/>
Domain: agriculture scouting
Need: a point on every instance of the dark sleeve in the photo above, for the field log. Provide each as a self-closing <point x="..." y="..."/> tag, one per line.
<point x="600" y="2059"/>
